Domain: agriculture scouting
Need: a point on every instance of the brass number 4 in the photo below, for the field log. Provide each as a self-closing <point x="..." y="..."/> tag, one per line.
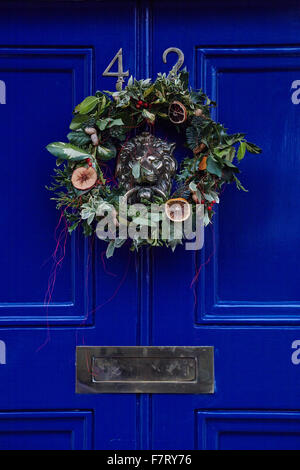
<point x="120" y="74"/>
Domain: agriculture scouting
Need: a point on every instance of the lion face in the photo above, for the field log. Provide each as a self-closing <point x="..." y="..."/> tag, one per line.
<point x="146" y="163"/>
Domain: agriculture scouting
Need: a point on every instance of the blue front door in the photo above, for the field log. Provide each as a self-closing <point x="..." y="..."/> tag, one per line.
<point x="245" y="299"/>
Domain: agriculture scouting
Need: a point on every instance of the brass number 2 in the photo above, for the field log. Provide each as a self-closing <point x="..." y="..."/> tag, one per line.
<point x="120" y="74"/>
<point x="179" y="62"/>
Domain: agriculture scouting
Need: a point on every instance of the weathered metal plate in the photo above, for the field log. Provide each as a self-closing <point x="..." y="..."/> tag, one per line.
<point x="145" y="369"/>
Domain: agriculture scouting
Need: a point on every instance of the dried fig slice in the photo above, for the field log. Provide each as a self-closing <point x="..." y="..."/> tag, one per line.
<point x="177" y="112"/>
<point x="84" y="178"/>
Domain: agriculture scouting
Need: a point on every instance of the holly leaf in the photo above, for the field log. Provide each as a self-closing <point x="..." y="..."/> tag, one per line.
<point x="149" y="116"/>
<point x="67" y="151"/>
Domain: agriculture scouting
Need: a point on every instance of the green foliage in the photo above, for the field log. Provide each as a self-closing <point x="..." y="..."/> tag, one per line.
<point x="114" y="116"/>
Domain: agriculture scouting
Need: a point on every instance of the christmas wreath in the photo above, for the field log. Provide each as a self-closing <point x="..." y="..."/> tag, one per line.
<point x="121" y="125"/>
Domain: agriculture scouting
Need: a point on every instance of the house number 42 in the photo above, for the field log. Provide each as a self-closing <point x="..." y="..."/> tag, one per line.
<point x="121" y="74"/>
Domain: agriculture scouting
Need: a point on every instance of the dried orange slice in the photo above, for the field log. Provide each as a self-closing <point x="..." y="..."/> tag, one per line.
<point x="177" y="209"/>
<point x="84" y="178"/>
<point x="177" y="112"/>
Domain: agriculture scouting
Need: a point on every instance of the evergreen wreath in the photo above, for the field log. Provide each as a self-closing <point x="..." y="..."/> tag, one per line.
<point x="104" y="121"/>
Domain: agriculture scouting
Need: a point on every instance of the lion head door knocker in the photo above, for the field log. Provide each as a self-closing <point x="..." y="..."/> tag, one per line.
<point x="146" y="167"/>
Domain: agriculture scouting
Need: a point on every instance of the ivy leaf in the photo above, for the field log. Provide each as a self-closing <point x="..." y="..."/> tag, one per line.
<point x="108" y="152"/>
<point x="67" y="151"/>
<point x="239" y="184"/>
<point x="88" y="104"/>
<point x="79" y="138"/>
<point x="213" y="167"/>
<point x="116" y="122"/>
<point x="102" y="123"/>
<point x="234" y="138"/>
<point x="74" y="226"/>
<point x="118" y="133"/>
<point x="241" y="151"/>
<point x="252" y="148"/>
<point x="231" y="165"/>
<point x="109" y="122"/>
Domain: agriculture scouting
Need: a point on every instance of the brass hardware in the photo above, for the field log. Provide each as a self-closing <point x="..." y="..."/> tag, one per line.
<point x="144" y="369"/>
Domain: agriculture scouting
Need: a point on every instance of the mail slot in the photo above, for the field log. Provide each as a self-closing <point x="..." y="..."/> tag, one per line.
<point x="144" y="369"/>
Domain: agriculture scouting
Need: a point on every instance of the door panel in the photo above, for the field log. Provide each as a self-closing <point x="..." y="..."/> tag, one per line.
<point x="247" y="430"/>
<point x="52" y="54"/>
<point x="246" y="297"/>
<point x="46" y="430"/>
<point x="245" y="300"/>
<point x="42" y="83"/>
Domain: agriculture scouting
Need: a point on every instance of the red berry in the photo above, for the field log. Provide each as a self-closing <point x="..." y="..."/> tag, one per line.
<point x="90" y="164"/>
<point x="138" y="106"/>
<point x="145" y="105"/>
<point x="213" y="202"/>
<point x="202" y="201"/>
<point x="88" y="160"/>
<point x="209" y="208"/>
<point x="140" y="102"/>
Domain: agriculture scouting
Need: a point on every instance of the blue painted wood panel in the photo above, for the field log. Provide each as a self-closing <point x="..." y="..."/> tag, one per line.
<point x="227" y="430"/>
<point x="60" y="430"/>
<point x="50" y="61"/>
<point x="246" y="302"/>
